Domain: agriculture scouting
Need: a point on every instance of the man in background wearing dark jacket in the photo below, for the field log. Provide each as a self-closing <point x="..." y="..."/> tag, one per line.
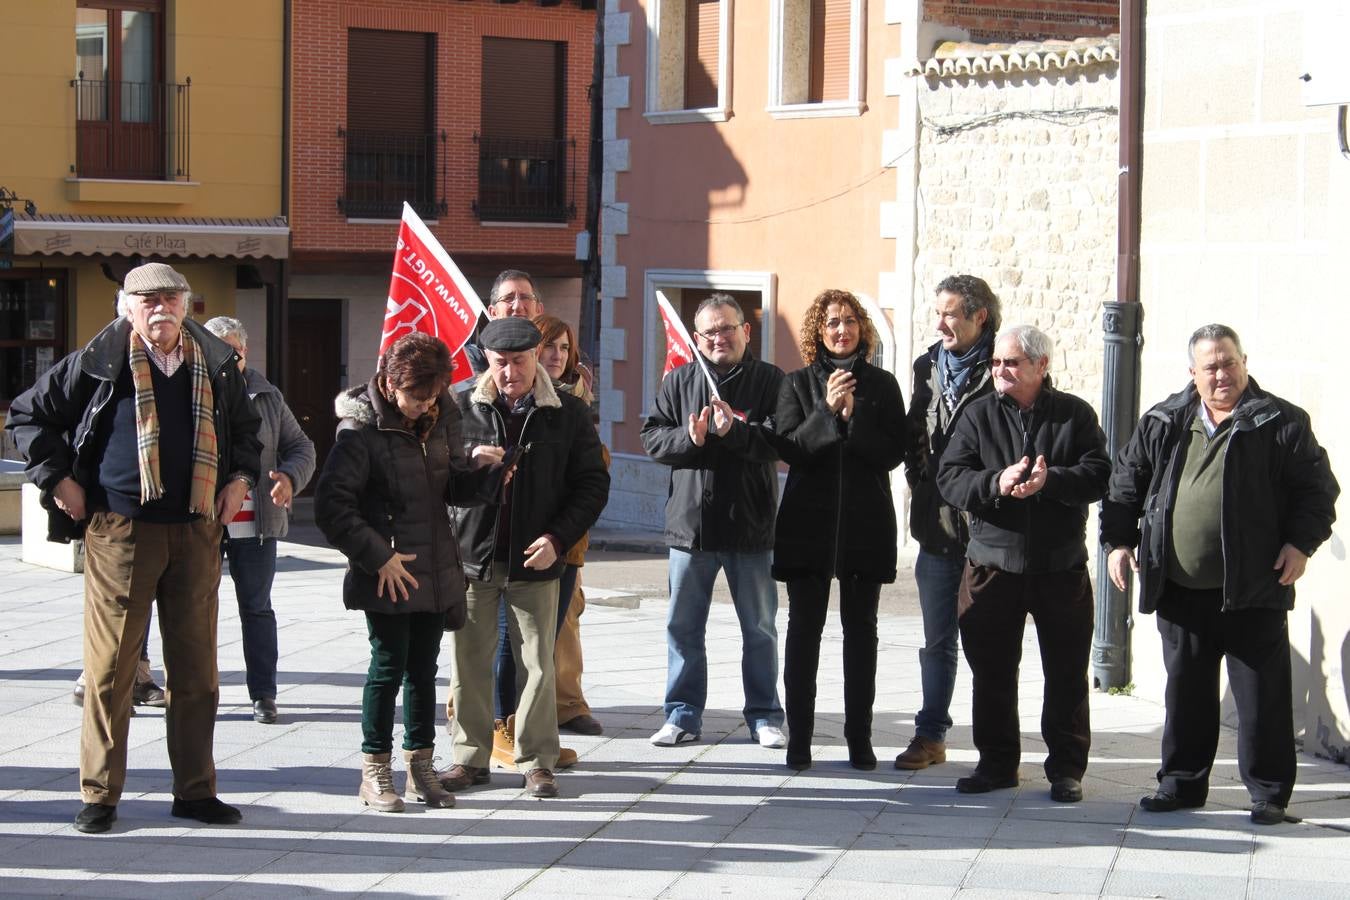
<point x="143" y="443"/>
<point x="947" y="378"/>
<point x="514" y="554"/>
<point x="719" y="516"/>
<point x="1235" y="494"/>
<point x="1024" y="463"/>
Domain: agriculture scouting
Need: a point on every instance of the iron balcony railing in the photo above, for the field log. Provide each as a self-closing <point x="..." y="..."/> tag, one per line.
<point x="384" y="170"/>
<point x="525" y="180"/>
<point x="132" y="129"/>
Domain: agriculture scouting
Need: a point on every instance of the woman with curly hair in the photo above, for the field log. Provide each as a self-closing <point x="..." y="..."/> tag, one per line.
<point x="842" y="428"/>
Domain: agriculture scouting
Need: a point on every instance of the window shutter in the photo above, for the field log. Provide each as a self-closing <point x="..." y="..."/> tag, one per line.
<point x="831" y="50"/>
<point x="386" y="64"/>
<point x="522" y="89"/>
<point x="702" y="52"/>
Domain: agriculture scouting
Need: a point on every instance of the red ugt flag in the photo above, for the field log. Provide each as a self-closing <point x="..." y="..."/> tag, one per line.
<point x="678" y="349"/>
<point x="427" y="292"/>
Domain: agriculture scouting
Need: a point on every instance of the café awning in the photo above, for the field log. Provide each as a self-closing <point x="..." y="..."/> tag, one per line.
<point x="72" y="235"/>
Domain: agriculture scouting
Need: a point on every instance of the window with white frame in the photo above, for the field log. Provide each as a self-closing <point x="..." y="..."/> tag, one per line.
<point x="688" y="61"/>
<point x="685" y="289"/>
<point x="816" y="59"/>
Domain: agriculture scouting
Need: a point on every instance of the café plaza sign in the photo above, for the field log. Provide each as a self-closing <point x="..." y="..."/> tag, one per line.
<point x="266" y="238"/>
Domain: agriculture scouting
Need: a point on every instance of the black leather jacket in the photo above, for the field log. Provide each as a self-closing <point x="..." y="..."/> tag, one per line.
<point x="1278" y="489"/>
<point x="52" y="421"/>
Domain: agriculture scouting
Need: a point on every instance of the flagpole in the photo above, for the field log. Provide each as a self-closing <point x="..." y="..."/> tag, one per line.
<point x="678" y="325"/>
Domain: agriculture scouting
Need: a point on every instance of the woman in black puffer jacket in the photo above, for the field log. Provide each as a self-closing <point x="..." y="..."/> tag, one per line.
<point x="381" y="499"/>
<point x="842" y="429"/>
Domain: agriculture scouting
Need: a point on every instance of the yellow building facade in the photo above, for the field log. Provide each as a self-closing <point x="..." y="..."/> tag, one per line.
<point x="137" y="130"/>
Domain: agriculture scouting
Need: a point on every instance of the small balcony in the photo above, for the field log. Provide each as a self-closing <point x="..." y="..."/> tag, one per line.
<point x="384" y="170"/>
<point x="132" y="130"/>
<point x="524" y="180"/>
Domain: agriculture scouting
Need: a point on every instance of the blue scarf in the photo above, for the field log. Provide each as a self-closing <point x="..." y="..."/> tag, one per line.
<point x="954" y="371"/>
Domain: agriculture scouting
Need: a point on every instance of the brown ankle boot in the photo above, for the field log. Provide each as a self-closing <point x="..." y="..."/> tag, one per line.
<point x="424" y="784"/>
<point x="504" y="743"/>
<point x="377" y="784"/>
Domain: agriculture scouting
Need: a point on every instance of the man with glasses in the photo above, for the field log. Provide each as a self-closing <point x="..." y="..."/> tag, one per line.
<point x="143" y="443"/>
<point x="513" y="294"/>
<point x="1024" y="463"/>
<point x="719" y="516"/>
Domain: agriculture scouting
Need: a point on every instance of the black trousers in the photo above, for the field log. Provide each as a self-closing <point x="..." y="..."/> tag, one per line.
<point x="1061" y="605"/>
<point x="1197" y="634"/>
<point x="808" y="605"/>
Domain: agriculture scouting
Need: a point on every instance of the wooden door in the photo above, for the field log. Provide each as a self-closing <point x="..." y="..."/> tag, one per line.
<point x="314" y="369"/>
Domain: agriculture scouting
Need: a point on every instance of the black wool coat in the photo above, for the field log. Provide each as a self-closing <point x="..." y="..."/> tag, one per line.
<point x="837" y="517"/>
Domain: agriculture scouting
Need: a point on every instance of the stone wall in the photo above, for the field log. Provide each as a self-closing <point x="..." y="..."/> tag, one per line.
<point x="1017" y="184"/>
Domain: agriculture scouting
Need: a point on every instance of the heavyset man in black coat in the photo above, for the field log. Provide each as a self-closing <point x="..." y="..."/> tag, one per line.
<point x="1233" y="494"/>
<point x="1024" y="463"/>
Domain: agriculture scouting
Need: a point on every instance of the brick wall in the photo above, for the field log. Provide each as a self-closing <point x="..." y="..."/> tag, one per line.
<point x="1024" y="196"/>
<point x="1017" y="20"/>
<point x="319" y="104"/>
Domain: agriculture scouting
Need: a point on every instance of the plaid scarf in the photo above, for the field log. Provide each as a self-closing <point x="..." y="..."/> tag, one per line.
<point x="202" y="493"/>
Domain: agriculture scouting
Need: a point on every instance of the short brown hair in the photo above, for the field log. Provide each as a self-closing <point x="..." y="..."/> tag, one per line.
<point x="418" y="364"/>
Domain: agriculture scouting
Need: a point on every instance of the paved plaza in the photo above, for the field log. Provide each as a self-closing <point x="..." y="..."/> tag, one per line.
<point x="718" y="818"/>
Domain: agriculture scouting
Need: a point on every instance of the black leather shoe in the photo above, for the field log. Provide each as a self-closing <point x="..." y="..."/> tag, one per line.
<point x="265" y="711"/>
<point x="1266" y="813"/>
<point x="583" y="724"/>
<point x="980" y="783"/>
<point x="95" y="818"/>
<point x="1166" y="801"/>
<point x="208" y="809"/>
<point x="861" y="755"/>
<point x="1066" y="790"/>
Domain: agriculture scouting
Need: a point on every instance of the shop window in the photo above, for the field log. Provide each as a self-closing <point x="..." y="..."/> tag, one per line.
<point x="32" y="328"/>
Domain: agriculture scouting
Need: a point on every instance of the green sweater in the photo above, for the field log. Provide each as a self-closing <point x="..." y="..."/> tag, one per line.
<point x="1195" y="555"/>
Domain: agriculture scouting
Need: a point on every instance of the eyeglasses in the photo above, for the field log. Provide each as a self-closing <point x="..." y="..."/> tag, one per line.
<point x="713" y="334"/>
<point x="509" y="299"/>
<point x="832" y="324"/>
<point x="1010" y="362"/>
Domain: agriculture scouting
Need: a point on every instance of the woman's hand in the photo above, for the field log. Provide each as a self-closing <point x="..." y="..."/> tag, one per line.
<point x="485" y="455"/>
<point x="839" y="392"/>
<point x="395" y="577"/>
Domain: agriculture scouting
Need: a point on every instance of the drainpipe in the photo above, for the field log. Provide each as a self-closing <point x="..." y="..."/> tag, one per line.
<point x="588" y="328"/>
<point x="278" y="307"/>
<point x="1121" y="321"/>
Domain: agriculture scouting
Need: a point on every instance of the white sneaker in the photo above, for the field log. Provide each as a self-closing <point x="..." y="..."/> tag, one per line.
<point x="671" y="734"/>
<point x="770" y="737"/>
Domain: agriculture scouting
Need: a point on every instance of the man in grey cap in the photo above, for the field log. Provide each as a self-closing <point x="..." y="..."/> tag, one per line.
<point x="513" y="554"/>
<point x="143" y="443"/>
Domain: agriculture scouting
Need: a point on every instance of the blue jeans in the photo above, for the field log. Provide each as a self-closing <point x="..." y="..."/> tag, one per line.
<point x="755" y="597"/>
<point x="508" y="683"/>
<point x="253" y="563"/>
<point x="939" y="580"/>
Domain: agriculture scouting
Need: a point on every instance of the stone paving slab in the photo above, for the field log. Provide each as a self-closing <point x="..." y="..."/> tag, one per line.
<point x="721" y="817"/>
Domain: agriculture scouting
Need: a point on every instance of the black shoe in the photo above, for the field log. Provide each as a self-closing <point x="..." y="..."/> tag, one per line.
<point x="980" y="783"/>
<point x="582" y="724"/>
<point x="265" y="711"/>
<point x="208" y="809"/>
<point x="147" y="693"/>
<point x="95" y="818"/>
<point x="1166" y="801"/>
<point x="1265" y="812"/>
<point x="860" y="755"/>
<point x="799" y="760"/>
<point x="1066" y="790"/>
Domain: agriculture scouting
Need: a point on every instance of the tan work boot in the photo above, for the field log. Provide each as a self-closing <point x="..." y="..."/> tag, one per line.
<point x="377" y="784"/>
<point x="921" y="753"/>
<point x="504" y="743"/>
<point x="424" y="784"/>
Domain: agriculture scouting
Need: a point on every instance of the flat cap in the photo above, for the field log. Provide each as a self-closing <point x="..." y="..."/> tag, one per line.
<point x="154" y="278"/>
<point x="510" y="335"/>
